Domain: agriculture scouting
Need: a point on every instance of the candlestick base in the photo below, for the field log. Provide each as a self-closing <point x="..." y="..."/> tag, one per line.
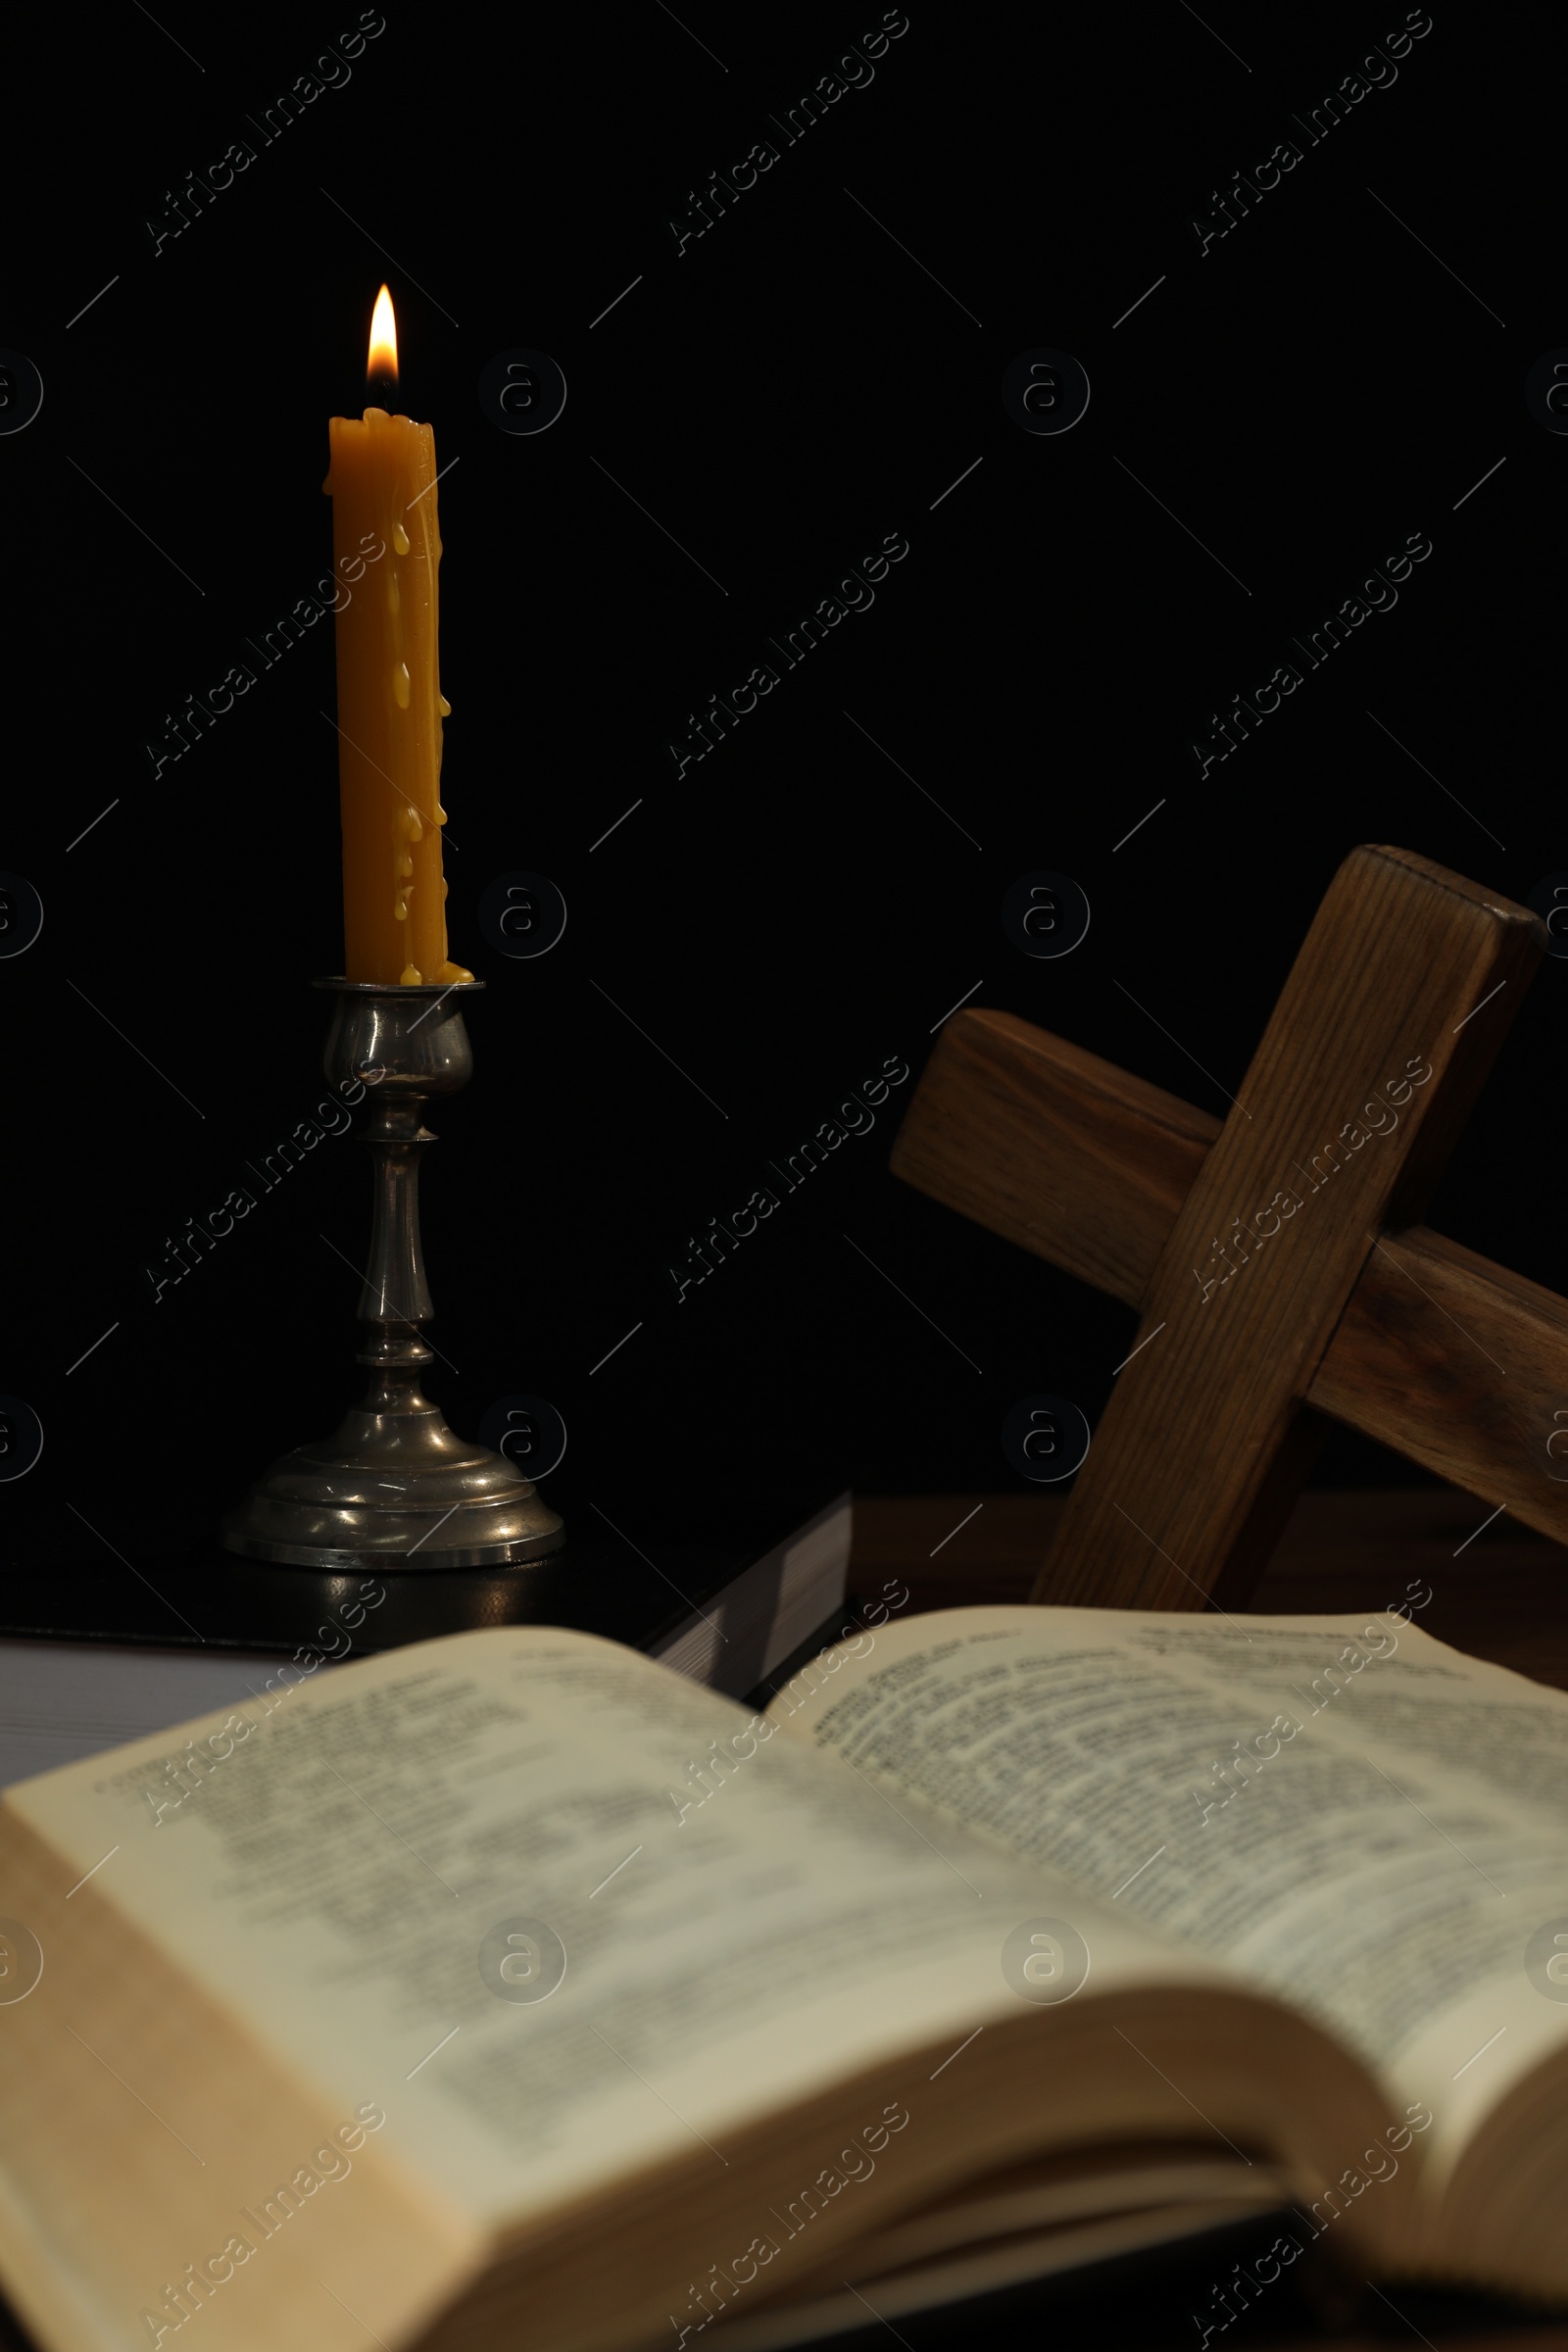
<point x="393" y="1487"/>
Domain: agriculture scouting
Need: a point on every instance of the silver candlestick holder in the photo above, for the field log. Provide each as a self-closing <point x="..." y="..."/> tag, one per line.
<point x="393" y="1487"/>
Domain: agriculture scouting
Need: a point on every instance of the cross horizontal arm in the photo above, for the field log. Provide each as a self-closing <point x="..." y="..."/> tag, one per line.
<point x="1448" y="1359"/>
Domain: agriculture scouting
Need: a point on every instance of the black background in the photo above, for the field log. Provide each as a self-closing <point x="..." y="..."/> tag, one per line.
<point x="789" y="913"/>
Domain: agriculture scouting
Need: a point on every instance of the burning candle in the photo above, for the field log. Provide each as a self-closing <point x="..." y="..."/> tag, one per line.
<point x="387" y="549"/>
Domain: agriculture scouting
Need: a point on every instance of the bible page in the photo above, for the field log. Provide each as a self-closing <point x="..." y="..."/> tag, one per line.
<point x="1365" y="1821"/>
<point x="553" y="1908"/>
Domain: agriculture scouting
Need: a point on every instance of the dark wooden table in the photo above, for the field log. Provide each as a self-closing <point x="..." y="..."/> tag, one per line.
<point x="1501" y="1594"/>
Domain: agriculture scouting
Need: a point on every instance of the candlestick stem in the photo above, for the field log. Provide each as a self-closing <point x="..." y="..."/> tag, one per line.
<point x="393" y="1487"/>
<point x="395" y="1299"/>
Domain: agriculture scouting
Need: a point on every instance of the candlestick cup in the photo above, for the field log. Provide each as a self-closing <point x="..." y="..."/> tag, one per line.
<point x="393" y="1487"/>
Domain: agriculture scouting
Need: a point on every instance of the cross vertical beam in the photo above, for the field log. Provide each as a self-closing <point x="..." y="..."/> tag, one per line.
<point x="1390" y="1017"/>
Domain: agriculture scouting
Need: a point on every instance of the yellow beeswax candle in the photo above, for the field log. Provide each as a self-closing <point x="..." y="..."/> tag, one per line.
<point x="387" y="549"/>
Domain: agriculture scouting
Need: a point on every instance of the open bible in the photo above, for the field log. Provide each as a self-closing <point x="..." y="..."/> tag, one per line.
<point x="511" y="1976"/>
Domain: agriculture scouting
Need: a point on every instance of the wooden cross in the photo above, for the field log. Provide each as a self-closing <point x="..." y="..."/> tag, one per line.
<point x="1275" y="1259"/>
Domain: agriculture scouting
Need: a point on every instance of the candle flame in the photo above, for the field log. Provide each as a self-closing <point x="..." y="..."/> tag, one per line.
<point x="383" y="359"/>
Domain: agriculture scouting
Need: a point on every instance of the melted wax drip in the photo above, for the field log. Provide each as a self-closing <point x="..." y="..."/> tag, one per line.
<point x="407" y="829"/>
<point x="405" y="825"/>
